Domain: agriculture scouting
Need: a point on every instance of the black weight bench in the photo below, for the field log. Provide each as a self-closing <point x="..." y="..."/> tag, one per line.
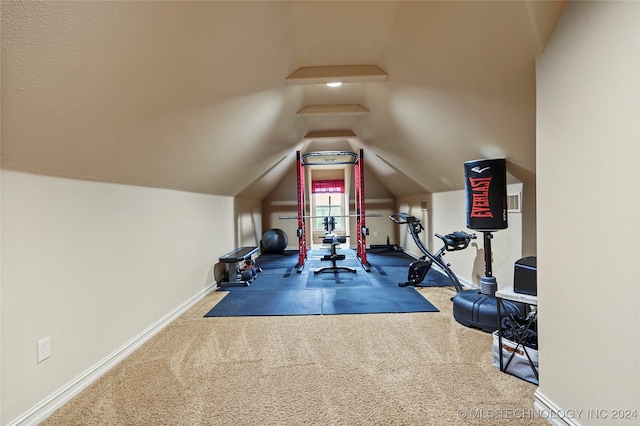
<point x="232" y="276"/>
<point x="335" y="241"/>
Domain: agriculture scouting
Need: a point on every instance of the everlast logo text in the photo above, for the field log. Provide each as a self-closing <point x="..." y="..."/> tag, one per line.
<point x="480" y="192"/>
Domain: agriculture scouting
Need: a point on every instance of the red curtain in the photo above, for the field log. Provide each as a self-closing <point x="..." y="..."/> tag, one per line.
<point x="327" y="186"/>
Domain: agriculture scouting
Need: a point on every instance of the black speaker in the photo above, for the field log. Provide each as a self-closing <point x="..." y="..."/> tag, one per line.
<point x="486" y="190"/>
<point x="525" y="279"/>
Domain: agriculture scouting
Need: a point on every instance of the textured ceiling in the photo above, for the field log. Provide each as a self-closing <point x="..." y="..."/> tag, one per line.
<point x="193" y="95"/>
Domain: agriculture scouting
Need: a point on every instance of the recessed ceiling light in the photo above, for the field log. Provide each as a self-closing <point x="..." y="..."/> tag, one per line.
<point x="334" y="84"/>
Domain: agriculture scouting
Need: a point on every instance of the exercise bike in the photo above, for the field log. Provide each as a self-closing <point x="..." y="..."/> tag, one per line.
<point x="418" y="269"/>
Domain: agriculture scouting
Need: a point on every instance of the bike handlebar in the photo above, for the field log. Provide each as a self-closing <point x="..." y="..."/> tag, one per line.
<point x="403" y="218"/>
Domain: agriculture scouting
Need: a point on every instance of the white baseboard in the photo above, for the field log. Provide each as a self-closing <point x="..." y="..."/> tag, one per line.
<point x="553" y="414"/>
<point x="47" y="406"/>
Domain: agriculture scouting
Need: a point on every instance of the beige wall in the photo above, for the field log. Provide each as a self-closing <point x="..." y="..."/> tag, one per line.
<point x="377" y="221"/>
<point x="448" y="215"/>
<point x="248" y="214"/>
<point x="412" y="205"/>
<point x="94" y="266"/>
<point x="588" y="212"/>
<point x="282" y="202"/>
<point x="379" y="204"/>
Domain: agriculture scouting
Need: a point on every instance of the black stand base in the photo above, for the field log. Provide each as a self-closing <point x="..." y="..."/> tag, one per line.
<point x="472" y="308"/>
<point x="334" y="267"/>
<point x="479" y="308"/>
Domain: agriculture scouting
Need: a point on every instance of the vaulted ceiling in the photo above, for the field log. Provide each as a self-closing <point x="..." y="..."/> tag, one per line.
<point x="194" y="96"/>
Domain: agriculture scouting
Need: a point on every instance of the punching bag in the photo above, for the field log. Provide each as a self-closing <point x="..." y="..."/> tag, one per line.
<point x="486" y="192"/>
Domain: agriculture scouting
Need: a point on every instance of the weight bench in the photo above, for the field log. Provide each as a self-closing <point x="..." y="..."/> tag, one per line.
<point x="230" y="260"/>
<point x="335" y="241"/>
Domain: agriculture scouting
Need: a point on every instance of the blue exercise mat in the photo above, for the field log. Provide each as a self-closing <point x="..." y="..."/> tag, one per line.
<point x="321" y="302"/>
<point x="268" y="303"/>
<point x="324" y="293"/>
<point x="374" y="300"/>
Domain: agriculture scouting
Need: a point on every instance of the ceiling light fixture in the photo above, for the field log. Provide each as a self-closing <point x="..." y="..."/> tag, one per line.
<point x="334" y="84"/>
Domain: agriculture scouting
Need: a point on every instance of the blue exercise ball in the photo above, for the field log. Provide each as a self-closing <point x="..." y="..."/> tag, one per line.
<point x="274" y="241"/>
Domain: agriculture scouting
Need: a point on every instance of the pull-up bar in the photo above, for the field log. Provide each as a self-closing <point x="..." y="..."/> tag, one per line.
<point x="333" y="154"/>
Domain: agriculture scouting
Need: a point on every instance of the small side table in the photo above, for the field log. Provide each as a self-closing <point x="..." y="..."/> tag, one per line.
<point x="507" y="293"/>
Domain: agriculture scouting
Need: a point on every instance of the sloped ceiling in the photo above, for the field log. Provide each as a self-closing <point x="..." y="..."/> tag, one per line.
<point x="193" y="96"/>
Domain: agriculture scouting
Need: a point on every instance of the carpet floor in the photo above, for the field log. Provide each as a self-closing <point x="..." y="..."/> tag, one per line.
<point x="379" y="369"/>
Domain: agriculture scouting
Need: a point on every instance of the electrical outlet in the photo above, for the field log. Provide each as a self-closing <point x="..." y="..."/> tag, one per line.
<point x="44" y="348"/>
<point x="375" y="233"/>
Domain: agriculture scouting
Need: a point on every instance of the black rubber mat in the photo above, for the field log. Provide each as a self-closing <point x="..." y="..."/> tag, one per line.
<point x="273" y="293"/>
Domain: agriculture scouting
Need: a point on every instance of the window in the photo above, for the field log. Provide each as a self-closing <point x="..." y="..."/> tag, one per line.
<point x="328" y="201"/>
